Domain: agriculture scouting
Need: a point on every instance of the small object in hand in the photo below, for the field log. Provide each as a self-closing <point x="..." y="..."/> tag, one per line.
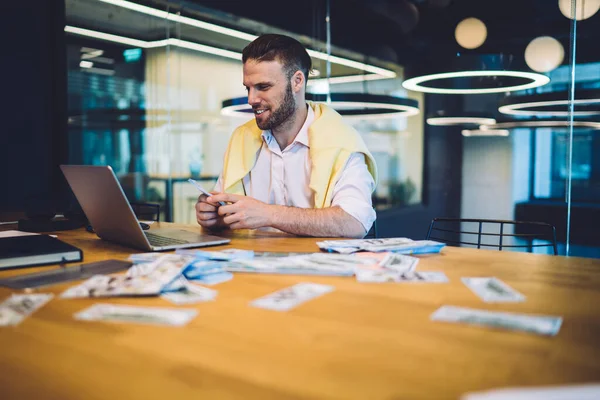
<point x="203" y="191"/>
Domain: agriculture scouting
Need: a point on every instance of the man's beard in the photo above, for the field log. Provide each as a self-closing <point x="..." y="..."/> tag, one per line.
<point x="283" y="113"/>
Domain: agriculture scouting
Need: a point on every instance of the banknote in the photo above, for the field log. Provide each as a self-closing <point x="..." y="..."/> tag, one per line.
<point x="383" y="276"/>
<point x="19" y="306"/>
<point x="530" y="323"/>
<point x="398" y="245"/>
<point x="493" y="290"/>
<point x="133" y="314"/>
<point x="190" y="294"/>
<point x="293" y="296"/>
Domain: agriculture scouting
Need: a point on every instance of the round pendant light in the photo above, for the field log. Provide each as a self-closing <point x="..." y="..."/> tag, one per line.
<point x="553" y="104"/>
<point x="583" y="8"/>
<point x="470" y="33"/>
<point x="484" y="132"/>
<point x="349" y="105"/>
<point x="542" y="124"/>
<point x="441" y="118"/>
<point x="474" y="74"/>
<point x="544" y="53"/>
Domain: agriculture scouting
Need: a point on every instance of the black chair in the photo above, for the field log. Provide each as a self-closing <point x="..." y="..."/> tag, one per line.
<point x="146" y="211"/>
<point x="143" y="211"/>
<point x="372" y="234"/>
<point x="492" y="233"/>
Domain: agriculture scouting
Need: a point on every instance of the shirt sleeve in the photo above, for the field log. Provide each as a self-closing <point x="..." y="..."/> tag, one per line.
<point x="352" y="192"/>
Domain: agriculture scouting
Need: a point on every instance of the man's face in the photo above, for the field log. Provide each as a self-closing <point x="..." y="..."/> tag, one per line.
<point x="269" y="93"/>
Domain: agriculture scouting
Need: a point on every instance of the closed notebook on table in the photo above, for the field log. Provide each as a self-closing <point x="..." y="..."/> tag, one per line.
<point x="29" y="251"/>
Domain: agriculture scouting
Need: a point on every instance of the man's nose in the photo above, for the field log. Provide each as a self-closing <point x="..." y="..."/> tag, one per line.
<point x="253" y="99"/>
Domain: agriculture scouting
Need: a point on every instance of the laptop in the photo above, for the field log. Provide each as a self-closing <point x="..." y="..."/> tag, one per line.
<point x="104" y="203"/>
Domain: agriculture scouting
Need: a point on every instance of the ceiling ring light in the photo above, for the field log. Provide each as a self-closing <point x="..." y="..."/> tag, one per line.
<point x="416" y="83"/>
<point x="484" y="132"/>
<point x="552" y="104"/>
<point x="177" y="18"/>
<point x="351" y="105"/>
<point x="542" y="124"/>
<point x="441" y="118"/>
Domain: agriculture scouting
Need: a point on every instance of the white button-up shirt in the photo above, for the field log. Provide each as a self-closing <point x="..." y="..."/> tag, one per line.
<point x="282" y="178"/>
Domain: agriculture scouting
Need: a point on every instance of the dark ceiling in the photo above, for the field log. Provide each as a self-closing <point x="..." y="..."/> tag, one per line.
<point x="413" y="31"/>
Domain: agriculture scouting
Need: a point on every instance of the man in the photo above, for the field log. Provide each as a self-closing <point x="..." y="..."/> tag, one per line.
<point x="297" y="166"/>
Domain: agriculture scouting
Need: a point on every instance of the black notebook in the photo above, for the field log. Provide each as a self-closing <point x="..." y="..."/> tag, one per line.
<point x="32" y="250"/>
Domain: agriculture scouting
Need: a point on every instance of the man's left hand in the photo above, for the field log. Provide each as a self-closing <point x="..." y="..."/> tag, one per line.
<point x="243" y="212"/>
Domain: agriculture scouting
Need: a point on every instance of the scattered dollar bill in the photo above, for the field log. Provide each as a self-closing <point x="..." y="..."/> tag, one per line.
<point x="139" y="258"/>
<point x="141" y="280"/>
<point x="114" y="285"/>
<point x="383" y="276"/>
<point x="399" y="262"/>
<point x="554" y="392"/>
<point x="493" y="290"/>
<point x="175" y="286"/>
<point x="201" y="268"/>
<point x="190" y="294"/>
<point x="19" y="306"/>
<point x="275" y="254"/>
<point x="396" y="245"/>
<point x="208" y="272"/>
<point x="214" y="279"/>
<point x="288" y="298"/>
<point x="305" y="264"/>
<point x="141" y="315"/>
<point x="538" y="324"/>
<point x="140" y="269"/>
<point x="223" y="255"/>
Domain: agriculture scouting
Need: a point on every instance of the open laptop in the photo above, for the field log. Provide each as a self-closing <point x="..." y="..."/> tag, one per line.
<point x="104" y="203"/>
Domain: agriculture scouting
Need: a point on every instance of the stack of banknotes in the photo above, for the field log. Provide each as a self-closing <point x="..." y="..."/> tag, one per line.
<point x="396" y="245"/>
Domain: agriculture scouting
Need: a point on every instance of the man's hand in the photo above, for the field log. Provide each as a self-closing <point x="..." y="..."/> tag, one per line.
<point x="244" y="212"/>
<point x="207" y="214"/>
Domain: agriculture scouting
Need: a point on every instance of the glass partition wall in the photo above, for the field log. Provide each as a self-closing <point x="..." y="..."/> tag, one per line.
<point x="576" y="169"/>
<point x="187" y="62"/>
<point x="465" y="117"/>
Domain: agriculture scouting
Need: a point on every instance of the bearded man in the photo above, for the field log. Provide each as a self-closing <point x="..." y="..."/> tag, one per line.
<point x="297" y="166"/>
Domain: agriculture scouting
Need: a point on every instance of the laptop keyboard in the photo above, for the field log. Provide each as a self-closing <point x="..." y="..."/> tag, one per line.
<point x="159" y="241"/>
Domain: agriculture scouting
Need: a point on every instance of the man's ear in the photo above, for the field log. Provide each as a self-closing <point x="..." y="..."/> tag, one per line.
<point x="298" y="81"/>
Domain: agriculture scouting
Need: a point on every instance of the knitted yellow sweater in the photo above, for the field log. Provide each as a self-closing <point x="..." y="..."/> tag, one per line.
<point x="331" y="143"/>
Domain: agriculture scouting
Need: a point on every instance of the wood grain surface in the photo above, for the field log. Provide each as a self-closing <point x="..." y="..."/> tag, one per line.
<point x="362" y="341"/>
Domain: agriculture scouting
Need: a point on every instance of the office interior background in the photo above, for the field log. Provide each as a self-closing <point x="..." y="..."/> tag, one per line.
<point x="472" y="109"/>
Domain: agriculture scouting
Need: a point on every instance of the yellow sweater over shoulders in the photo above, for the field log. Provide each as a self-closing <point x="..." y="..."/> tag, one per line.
<point x="331" y="143"/>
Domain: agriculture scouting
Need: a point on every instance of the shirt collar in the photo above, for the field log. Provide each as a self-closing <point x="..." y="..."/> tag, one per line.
<point x="301" y="137"/>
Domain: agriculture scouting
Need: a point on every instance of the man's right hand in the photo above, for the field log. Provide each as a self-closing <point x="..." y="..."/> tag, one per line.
<point x="207" y="214"/>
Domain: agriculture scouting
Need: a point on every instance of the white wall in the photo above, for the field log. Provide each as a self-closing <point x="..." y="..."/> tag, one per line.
<point x="487" y="178"/>
<point x="487" y="182"/>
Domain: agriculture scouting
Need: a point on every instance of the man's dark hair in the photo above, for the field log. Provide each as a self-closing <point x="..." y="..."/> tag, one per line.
<point x="288" y="51"/>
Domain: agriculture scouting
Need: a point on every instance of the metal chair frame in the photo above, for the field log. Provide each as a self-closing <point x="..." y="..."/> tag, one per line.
<point x="542" y="225"/>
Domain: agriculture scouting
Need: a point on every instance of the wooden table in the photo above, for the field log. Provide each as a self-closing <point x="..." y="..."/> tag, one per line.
<point x="362" y="341"/>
